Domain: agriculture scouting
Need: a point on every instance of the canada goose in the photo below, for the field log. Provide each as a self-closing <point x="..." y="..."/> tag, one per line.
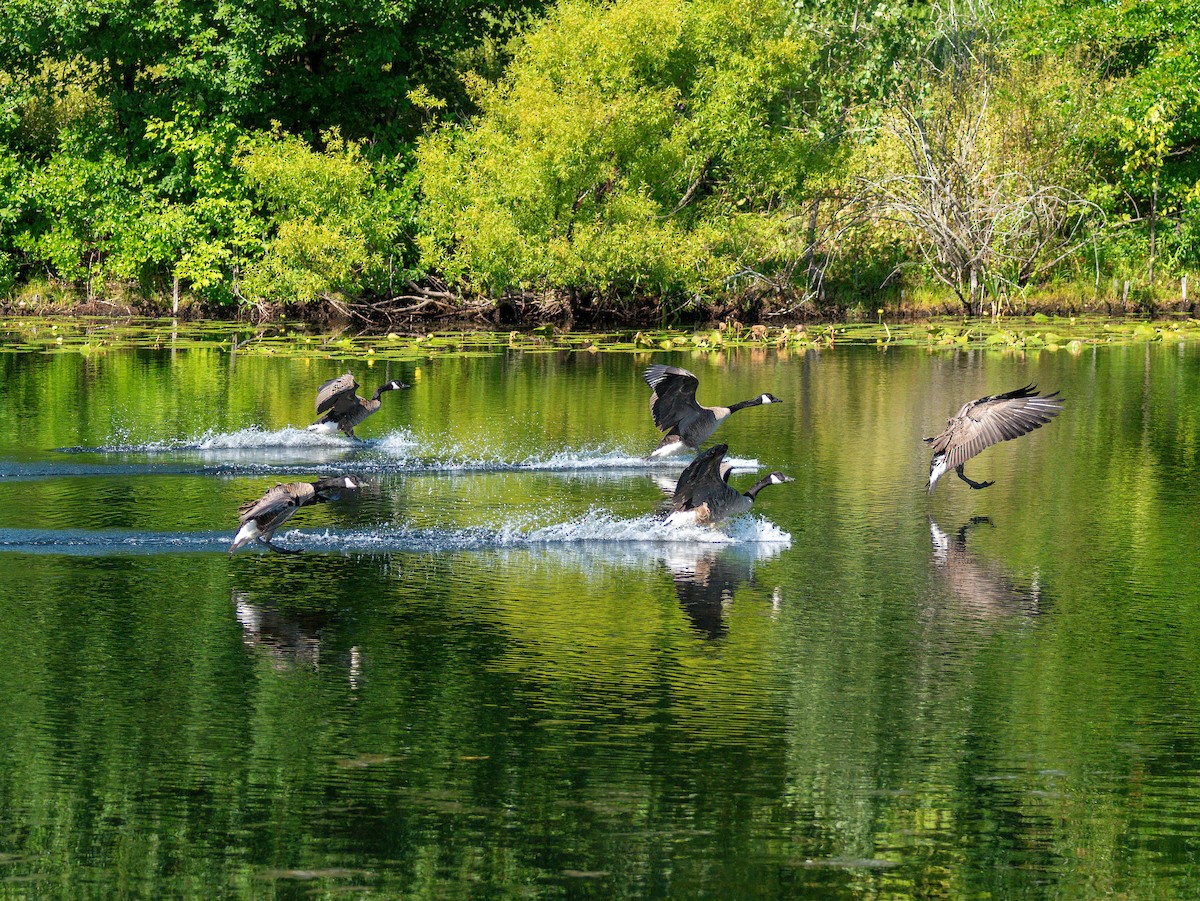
<point x="987" y="421"/>
<point x="703" y="493"/>
<point x="262" y="517"/>
<point x="676" y="412"/>
<point x="343" y="408"/>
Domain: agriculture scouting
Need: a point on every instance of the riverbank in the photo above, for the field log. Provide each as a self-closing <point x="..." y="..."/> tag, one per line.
<point x="433" y="306"/>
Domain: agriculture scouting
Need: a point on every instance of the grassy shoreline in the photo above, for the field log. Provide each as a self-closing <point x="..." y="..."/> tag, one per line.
<point x="564" y="310"/>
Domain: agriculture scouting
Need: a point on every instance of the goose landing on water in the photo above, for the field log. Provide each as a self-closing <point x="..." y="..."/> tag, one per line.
<point x="676" y="412"/>
<point x="262" y="517"/>
<point x="987" y="421"/>
<point x="343" y="408"/>
<point x="703" y="493"/>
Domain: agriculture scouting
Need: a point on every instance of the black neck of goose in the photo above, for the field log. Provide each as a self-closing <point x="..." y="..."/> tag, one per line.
<point x="758" y="486"/>
<point x="733" y="408"/>
<point x="379" y="391"/>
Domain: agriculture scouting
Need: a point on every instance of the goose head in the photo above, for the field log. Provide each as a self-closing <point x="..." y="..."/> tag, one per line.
<point x="331" y="487"/>
<point x="393" y="385"/>
<point x="775" y="478"/>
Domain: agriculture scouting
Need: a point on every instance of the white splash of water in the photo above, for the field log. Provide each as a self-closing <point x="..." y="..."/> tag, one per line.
<point x="450" y="455"/>
<point x="254" y="437"/>
<point x="402" y="449"/>
<point x="594" y="528"/>
<point x="599" y="526"/>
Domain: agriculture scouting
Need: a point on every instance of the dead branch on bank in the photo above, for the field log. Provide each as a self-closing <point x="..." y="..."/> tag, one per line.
<point x="973" y="202"/>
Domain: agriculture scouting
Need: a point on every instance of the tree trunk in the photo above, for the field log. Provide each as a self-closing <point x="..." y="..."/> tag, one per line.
<point x="1153" y="220"/>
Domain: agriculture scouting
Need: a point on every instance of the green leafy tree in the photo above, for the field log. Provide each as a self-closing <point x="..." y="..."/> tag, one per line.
<point x="964" y="166"/>
<point x="125" y="117"/>
<point x="311" y="65"/>
<point x="332" y="227"/>
<point x="1143" y="122"/>
<point x="644" y="146"/>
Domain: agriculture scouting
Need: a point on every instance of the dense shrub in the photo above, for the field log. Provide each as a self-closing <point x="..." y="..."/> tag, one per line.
<point x="647" y="146"/>
<point x="331" y="228"/>
<point x="669" y="151"/>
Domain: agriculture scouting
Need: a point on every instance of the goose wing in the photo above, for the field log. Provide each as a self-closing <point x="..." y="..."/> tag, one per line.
<point x="336" y="392"/>
<point x="277" y="503"/>
<point x="999" y="417"/>
<point x="703" y="479"/>
<point x="674" y="397"/>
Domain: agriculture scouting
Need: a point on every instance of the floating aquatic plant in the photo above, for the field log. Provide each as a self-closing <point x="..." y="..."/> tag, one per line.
<point x="90" y="336"/>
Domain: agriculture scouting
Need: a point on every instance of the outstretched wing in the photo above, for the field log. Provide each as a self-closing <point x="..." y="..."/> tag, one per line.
<point x="674" y="397"/>
<point x="273" y="506"/>
<point x="335" y="390"/>
<point x="702" y="477"/>
<point x="1000" y="417"/>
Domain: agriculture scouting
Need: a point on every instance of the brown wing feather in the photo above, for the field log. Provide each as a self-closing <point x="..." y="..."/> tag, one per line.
<point x="1002" y="417"/>
<point x="674" y="397"/>
<point x="277" y="499"/>
<point x="702" y="478"/>
<point x="336" y="392"/>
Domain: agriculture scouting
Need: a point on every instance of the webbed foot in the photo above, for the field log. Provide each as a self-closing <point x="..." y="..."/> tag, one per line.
<point x="958" y="470"/>
<point x="281" y="550"/>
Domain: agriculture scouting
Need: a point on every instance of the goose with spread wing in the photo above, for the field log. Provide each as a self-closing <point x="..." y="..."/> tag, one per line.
<point x="703" y="493"/>
<point x="987" y="421"/>
<point x="687" y="423"/>
<point x="343" y="408"/>
<point x="262" y="517"/>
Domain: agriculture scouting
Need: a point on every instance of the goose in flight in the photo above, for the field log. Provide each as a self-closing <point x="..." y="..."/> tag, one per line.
<point x="262" y="517"/>
<point x="987" y="421"/>
<point x="343" y="408"/>
<point x="703" y="493"/>
<point x="676" y="412"/>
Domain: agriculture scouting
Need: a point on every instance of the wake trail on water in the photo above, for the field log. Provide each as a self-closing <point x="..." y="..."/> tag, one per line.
<point x="595" y="530"/>
<point x="84" y="543"/>
<point x="257" y="451"/>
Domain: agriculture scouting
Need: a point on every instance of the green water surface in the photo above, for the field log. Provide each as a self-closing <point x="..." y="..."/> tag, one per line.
<point x="491" y="674"/>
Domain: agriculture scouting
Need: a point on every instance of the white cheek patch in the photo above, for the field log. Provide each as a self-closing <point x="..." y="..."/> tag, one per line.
<point x="766" y="399"/>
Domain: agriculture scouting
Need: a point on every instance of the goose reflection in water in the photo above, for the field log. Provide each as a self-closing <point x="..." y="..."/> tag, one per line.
<point x="290" y="639"/>
<point x="706" y="579"/>
<point x="982" y="590"/>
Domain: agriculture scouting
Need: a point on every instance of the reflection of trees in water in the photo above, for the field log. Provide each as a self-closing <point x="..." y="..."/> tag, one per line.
<point x="289" y="638"/>
<point x="980" y="589"/>
<point x="706" y="579"/>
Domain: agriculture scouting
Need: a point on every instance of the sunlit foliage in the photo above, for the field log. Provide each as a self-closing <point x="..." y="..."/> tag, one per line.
<point x="649" y="146"/>
<point x="660" y="156"/>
